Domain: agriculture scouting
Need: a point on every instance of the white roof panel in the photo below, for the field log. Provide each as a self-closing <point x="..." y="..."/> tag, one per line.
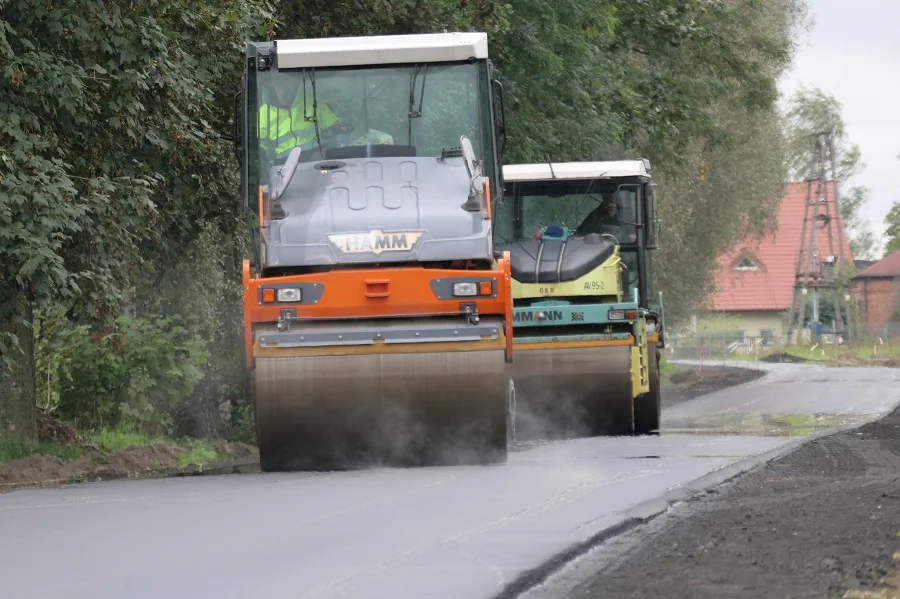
<point x="574" y="170"/>
<point x="380" y="49"/>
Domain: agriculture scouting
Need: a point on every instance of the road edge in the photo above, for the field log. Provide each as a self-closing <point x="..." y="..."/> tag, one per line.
<point x="650" y="510"/>
<point x="236" y="466"/>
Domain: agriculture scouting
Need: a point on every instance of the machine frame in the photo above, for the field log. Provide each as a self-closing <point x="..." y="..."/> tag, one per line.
<point x="594" y="312"/>
<point x="377" y="312"/>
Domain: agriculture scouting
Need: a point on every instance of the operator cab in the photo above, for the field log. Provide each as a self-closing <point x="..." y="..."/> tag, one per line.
<point x="369" y="139"/>
<point x="560" y="221"/>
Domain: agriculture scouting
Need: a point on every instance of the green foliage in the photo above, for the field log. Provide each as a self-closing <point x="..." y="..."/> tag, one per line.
<point x="107" y="109"/>
<point x="15" y="450"/>
<point x="114" y="151"/>
<point x="813" y="111"/>
<point x="892" y="232"/>
<point x="199" y="452"/>
<point x="123" y="437"/>
<point x="666" y="368"/>
<point x="136" y="372"/>
<point x="119" y="219"/>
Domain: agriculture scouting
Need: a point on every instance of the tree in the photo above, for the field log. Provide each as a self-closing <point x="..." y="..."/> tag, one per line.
<point x="892" y="233"/>
<point x="111" y="150"/>
<point x="691" y="85"/>
<point x="118" y="187"/>
<point x="814" y="111"/>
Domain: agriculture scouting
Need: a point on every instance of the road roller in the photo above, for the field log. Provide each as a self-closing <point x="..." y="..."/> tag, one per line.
<point x="377" y="309"/>
<point x="587" y="327"/>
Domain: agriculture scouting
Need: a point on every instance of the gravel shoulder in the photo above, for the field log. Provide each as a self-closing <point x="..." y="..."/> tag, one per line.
<point x="822" y="521"/>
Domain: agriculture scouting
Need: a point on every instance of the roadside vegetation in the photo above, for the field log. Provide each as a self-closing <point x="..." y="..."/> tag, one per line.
<point x="666" y="368"/>
<point x="826" y="353"/>
<point x="121" y="234"/>
<point x="106" y="442"/>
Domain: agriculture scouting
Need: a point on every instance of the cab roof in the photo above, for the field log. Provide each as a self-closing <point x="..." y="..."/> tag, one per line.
<point x="380" y="50"/>
<point x="576" y="170"/>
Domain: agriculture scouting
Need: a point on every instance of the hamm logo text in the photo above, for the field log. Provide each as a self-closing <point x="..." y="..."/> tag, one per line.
<point x="375" y="241"/>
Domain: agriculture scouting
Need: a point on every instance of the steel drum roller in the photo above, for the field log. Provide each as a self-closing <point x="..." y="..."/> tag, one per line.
<point x="351" y="411"/>
<point x="572" y="392"/>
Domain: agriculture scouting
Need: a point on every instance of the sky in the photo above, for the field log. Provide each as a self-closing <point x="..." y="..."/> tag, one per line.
<point x="853" y="53"/>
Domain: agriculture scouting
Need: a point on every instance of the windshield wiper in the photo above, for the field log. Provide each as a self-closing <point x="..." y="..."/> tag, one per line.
<point x="413" y="113"/>
<point x="315" y="116"/>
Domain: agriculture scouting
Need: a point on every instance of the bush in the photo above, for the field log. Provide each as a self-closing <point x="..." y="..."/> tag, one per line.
<point x="136" y="372"/>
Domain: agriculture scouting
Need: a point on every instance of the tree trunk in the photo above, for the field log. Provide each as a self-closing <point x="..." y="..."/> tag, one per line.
<point x="17" y="414"/>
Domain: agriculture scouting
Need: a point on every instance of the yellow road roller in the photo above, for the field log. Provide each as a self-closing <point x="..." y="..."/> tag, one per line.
<point x="378" y="312"/>
<point x="587" y="326"/>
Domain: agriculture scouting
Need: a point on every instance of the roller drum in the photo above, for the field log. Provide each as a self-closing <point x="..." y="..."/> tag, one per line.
<point x="353" y="411"/>
<point x="573" y="392"/>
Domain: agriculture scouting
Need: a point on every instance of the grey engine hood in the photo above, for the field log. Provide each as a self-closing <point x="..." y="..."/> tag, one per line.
<point x="329" y="214"/>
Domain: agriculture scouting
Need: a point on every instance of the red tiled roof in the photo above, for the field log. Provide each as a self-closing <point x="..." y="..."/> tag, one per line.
<point x="888" y="267"/>
<point x="771" y="287"/>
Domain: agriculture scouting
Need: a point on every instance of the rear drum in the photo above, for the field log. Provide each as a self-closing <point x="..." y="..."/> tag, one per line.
<point x="573" y="392"/>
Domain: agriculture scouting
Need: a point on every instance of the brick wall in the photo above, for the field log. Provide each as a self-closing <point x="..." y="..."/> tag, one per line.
<point x="880" y="299"/>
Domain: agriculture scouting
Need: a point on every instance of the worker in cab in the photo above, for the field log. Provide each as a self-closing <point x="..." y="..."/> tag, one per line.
<point x="286" y="123"/>
<point x="604" y="215"/>
<point x="606" y="219"/>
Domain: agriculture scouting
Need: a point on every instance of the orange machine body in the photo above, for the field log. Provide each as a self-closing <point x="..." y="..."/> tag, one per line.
<point x="373" y="293"/>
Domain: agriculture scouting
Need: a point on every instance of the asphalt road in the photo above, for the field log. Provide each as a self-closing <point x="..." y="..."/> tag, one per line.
<point x="465" y="532"/>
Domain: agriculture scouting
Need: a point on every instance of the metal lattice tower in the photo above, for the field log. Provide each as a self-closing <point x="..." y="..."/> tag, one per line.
<point x="817" y="268"/>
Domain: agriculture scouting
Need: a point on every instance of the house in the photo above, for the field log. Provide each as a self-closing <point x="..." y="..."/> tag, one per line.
<point x="878" y="291"/>
<point x="754" y="282"/>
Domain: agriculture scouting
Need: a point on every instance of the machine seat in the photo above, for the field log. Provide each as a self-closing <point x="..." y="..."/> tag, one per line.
<point x="579" y="257"/>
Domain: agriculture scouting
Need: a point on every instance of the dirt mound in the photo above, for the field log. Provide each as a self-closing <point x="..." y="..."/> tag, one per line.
<point x="54" y="430"/>
<point x="135" y="460"/>
<point x="783" y="357"/>
<point x="143" y="460"/>
<point x="236" y="450"/>
<point x="817" y="522"/>
<point x="38" y="467"/>
<point x="690" y="383"/>
<point x="684" y="376"/>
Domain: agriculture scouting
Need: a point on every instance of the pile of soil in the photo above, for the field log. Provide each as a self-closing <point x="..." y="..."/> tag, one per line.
<point x="850" y="359"/>
<point x="159" y="459"/>
<point x="54" y="430"/>
<point x="819" y="522"/>
<point x="691" y="382"/>
<point x="783" y="357"/>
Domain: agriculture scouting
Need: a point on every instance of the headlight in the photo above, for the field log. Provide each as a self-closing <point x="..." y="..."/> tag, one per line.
<point x="465" y="289"/>
<point x="617" y="314"/>
<point x="289" y="295"/>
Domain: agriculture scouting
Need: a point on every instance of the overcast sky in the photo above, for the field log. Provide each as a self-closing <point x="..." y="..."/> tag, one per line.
<point x="853" y="53"/>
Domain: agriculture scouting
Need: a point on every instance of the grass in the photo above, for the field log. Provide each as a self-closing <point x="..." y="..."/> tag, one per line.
<point x="825" y="352"/>
<point x="14" y="450"/>
<point x="820" y="353"/>
<point x="199" y="452"/>
<point x="121" y="438"/>
<point x="666" y="368"/>
<point x="856" y="594"/>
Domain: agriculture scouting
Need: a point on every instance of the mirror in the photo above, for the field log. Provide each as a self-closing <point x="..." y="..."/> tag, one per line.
<point x="476" y="181"/>
<point x="286" y="173"/>
<point x="652" y="219"/>
<point x="472" y="165"/>
<point x="237" y="129"/>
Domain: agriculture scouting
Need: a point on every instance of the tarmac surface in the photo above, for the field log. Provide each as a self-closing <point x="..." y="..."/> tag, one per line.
<point x="461" y="532"/>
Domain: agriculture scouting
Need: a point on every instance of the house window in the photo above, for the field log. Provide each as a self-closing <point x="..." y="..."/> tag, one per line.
<point x="746" y="263"/>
